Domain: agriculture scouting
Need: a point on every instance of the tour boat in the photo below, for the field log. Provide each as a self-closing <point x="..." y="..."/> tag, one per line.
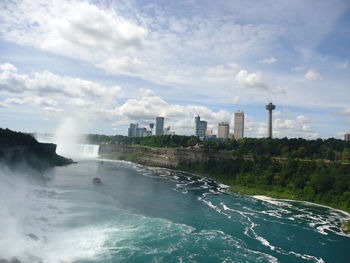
<point x="96" y="180"/>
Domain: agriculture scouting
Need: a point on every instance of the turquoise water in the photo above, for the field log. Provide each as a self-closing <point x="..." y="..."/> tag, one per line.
<point x="143" y="214"/>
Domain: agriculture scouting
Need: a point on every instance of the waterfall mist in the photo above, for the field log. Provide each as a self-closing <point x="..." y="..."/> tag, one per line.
<point x="70" y="141"/>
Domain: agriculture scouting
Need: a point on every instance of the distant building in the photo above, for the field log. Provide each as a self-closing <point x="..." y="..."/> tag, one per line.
<point x="347" y="137"/>
<point x="142" y="132"/>
<point x="201" y="127"/>
<point x="238" y="129"/>
<point x="135" y="131"/>
<point x="132" y="131"/>
<point x="159" y="125"/>
<point x="209" y="133"/>
<point x="223" y="130"/>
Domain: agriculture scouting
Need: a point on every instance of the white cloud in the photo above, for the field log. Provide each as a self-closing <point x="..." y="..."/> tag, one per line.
<point x="346" y="111"/>
<point x="277" y="113"/>
<point x="65" y="27"/>
<point x="3" y="105"/>
<point x="302" y="119"/>
<point x="80" y="102"/>
<point x="52" y="110"/>
<point x="312" y="75"/>
<point x="130" y="41"/>
<point x="256" y="81"/>
<point x="36" y="101"/>
<point x="10" y="81"/>
<point x="270" y="60"/>
<point x="8" y="67"/>
<point x="344" y="64"/>
<point x="123" y="65"/>
<point x="47" y="83"/>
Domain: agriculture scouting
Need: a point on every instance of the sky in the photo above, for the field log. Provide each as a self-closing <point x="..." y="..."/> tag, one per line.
<point x="106" y="64"/>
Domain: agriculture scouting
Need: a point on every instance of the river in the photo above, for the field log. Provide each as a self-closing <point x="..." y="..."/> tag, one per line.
<point x="147" y="214"/>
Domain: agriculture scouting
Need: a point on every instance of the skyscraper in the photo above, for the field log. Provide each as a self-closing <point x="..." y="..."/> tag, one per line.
<point x="238" y="129"/>
<point x="132" y="131"/>
<point x="159" y="125"/>
<point x="223" y="130"/>
<point x="201" y="127"/>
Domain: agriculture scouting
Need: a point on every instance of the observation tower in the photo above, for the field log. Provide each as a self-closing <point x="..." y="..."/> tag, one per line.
<point x="270" y="107"/>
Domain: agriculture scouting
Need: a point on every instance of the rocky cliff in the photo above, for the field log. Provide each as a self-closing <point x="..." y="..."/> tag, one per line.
<point x="18" y="148"/>
<point x="169" y="157"/>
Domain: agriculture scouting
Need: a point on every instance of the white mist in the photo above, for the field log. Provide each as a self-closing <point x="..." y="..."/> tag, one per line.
<point x="70" y="141"/>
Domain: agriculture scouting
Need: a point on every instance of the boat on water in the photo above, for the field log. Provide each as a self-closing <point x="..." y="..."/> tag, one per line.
<point x="96" y="180"/>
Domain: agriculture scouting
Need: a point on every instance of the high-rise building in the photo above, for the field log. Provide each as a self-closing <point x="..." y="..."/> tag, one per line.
<point x="142" y="132"/>
<point x="201" y="127"/>
<point x="223" y="130"/>
<point x="135" y="131"/>
<point x="132" y="131"/>
<point x="347" y="137"/>
<point x="159" y="125"/>
<point x="238" y="129"/>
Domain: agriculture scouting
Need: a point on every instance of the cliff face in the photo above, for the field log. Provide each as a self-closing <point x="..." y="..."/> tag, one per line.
<point x="170" y="157"/>
<point x="18" y="148"/>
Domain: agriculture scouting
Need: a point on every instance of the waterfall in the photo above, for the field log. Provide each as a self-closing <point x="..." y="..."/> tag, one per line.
<point x="88" y="150"/>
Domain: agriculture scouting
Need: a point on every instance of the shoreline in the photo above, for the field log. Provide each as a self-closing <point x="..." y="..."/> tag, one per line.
<point x="267" y="198"/>
<point x="345" y="223"/>
<point x="231" y="188"/>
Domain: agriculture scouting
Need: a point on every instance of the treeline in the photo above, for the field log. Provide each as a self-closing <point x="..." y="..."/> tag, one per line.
<point x="314" y="181"/>
<point x="9" y="138"/>
<point x="329" y="149"/>
<point x="152" y="141"/>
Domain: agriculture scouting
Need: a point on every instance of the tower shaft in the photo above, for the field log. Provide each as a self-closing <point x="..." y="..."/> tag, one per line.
<point x="270" y="107"/>
<point x="270" y="124"/>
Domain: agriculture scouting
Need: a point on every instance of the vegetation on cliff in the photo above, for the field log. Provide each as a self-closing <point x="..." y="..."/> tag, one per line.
<point x="18" y="148"/>
<point x="314" y="181"/>
<point x="152" y="141"/>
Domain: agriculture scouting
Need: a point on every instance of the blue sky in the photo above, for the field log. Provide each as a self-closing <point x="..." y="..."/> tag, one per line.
<point x="108" y="63"/>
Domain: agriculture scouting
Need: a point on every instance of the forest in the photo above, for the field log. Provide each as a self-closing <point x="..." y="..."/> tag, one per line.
<point x="315" y="181"/>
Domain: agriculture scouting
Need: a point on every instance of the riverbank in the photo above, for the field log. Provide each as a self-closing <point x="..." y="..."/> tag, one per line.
<point x="313" y="181"/>
<point x="267" y="196"/>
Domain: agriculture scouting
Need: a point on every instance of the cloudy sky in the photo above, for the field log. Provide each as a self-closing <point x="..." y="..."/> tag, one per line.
<point x="109" y="63"/>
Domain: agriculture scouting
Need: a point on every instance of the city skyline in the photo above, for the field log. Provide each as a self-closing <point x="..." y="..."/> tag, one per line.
<point x="107" y="64"/>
